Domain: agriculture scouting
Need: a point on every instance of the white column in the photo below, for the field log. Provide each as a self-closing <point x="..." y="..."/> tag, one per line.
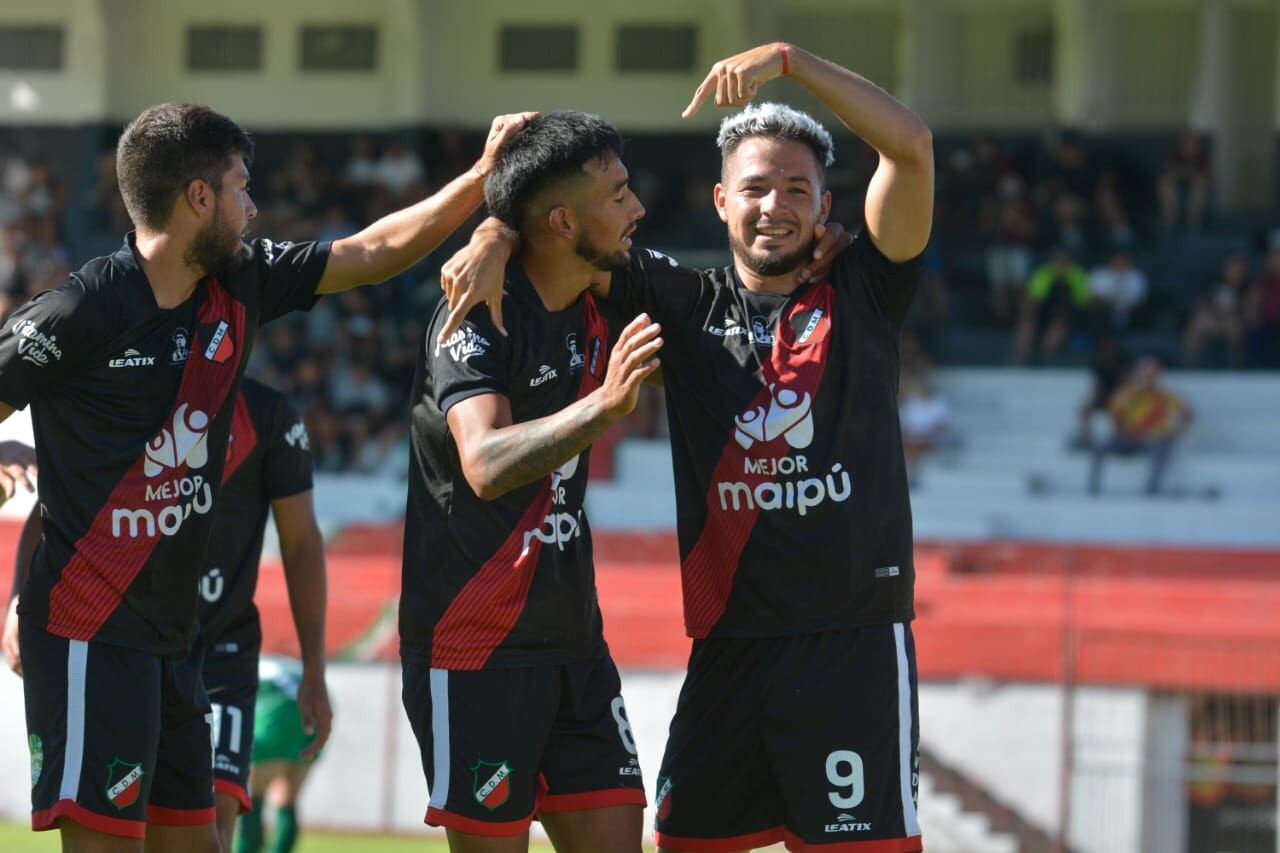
<point x="1084" y="68"/>
<point x="928" y="55"/>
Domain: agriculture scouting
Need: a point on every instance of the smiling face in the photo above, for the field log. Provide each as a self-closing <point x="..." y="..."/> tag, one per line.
<point x="771" y="197"/>
<point x="606" y="212"/>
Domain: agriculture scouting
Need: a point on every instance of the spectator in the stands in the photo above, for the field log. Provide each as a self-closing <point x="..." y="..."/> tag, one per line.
<point x="1218" y="315"/>
<point x="400" y="172"/>
<point x="1118" y="289"/>
<point x="1010" y="220"/>
<point x="1147" y="419"/>
<point x="1116" y="227"/>
<point x="1107" y="369"/>
<point x="1056" y="299"/>
<point x="1262" y="314"/>
<point x="361" y="169"/>
<point x="1183" y="186"/>
<point x="1064" y="192"/>
<point x="925" y="416"/>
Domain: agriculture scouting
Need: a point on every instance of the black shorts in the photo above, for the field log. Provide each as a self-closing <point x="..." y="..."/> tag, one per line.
<point x="232" y="684"/>
<point x="119" y="738"/>
<point x="810" y="740"/>
<point x="499" y="745"/>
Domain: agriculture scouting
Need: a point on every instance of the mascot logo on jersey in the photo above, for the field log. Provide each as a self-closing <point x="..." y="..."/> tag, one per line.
<point x="183" y="443"/>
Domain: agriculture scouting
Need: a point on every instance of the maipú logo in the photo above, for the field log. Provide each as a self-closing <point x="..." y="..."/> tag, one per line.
<point x="184" y="442"/>
<point x="788" y="415"/>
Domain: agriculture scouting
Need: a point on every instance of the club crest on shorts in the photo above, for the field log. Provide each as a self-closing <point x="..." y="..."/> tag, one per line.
<point x="662" y="801"/>
<point x="36" y="747"/>
<point x="492" y="783"/>
<point x="124" y="782"/>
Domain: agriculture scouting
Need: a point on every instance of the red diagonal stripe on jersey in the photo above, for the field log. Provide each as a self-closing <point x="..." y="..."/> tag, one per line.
<point x="93" y="583"/>
<point x="708" y="570"/>
<point x="243" y="438"/>
<point x="483" y="613"/>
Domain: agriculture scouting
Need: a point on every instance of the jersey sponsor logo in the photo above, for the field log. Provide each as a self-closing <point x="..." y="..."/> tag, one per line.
<point x="184" y="442"/>
<point x="212" y="585"/>
<point x="220" y="345"/>
<point x="787" y="415"/>
<point x="847" y="823"/>
<point x="557" y="528"/>
<point x="34" y="345"/>
<point x="492" y="783"/>
<point x="545" y="374"/>
<point x="632" y="768"/>
<point x="181" y="347"/>
<point x="662" y="801"/>
<point x="758" y="333"/>
<point x="297" y="436"/>
<point x="465" y="344"/>
<point x="132" y="358"/>
<point x="124" y="783"/>
<point x="181" y="443"/>
<point x="576" y="359"/>
<point x="801" y="495"/>
<point x="36" y="747"/>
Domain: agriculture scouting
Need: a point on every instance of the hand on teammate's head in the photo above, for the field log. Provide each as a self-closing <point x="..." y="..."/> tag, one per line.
<point x="832" y="240"/>
<point x="503" y="128"/>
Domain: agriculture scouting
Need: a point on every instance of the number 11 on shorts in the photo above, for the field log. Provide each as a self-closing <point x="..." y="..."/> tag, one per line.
<point x="844" y="771"/>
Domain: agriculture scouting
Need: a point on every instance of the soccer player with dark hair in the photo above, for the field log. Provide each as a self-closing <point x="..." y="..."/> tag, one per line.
<point x="267" y="472"/>
<point x="797" y="720"/>
<point x="508" y="683"/>
<point x="131" y="368"/>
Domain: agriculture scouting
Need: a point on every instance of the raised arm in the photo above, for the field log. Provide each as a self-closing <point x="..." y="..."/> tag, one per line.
<point x="498" y="455"/>
<point x="899" y="204"/>
<point x="399" y="240"/>
<point x="302" y="552"/>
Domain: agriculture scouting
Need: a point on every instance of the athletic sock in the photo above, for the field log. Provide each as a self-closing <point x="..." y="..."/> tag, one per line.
<point x="286" y="830"/>
<point x="249" y="833"/>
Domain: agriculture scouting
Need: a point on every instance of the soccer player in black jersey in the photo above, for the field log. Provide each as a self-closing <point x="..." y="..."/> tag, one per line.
<point x="508" y="683"/>
<point x="131" y="368"/>
<point x="268" y="470"/>
<point x="797" y="721"/>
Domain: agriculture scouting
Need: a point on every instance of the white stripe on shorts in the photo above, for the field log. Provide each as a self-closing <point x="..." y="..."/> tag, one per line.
<point x="906" y="760"/>
<point x="440" y="737"/>
<point x="73" y="755"/>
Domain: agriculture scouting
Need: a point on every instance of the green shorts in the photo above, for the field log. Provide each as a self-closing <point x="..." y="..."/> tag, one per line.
<point x="277" y="727"/>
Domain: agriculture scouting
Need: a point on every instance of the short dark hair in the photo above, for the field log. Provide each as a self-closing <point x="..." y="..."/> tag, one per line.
<point x="166" y="148"/>
<point x="550" y="148"/>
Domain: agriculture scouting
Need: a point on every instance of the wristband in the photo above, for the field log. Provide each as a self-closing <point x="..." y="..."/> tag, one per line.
<point x="786" y="65"/>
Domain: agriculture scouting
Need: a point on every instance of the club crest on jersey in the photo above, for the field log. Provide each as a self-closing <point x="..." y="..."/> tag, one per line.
<point x="220" y="347"/>
<point x="181" y="347"/>
<point x="492" y="783"/>
<point x="810" y="327"/>
<point x="124" y="783"/>
<point x="662" y="800"/>
<point x="576" y="359"/>
<point x="787" y="415"/>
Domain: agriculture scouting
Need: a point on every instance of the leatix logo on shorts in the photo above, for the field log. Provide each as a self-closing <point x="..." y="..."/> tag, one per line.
<point x="124" y="782"/>
<point x="662" y="801"/>
<point x="492" y="783"/>
<point x="36" y="746"/>
<point x="846" y="822"/>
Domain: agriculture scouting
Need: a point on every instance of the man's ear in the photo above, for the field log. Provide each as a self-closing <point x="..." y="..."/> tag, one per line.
<point x="825" y="209"/>
<point x="200" y="196"/>
<point x="561" y="221"/>
<point x="719" y="197"/>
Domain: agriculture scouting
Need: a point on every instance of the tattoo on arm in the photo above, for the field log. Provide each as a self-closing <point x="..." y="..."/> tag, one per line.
<point x="523" y="453"/>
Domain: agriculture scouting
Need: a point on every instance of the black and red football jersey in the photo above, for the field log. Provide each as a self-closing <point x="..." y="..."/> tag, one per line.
<point x="268" y="458"/>
<point x="510" y="581"/>
<point x="131" y="407"/>
<point x="793" y="513"/>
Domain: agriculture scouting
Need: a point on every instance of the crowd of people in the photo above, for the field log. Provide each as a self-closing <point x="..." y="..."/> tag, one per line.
<point x="1061" y="229"/>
